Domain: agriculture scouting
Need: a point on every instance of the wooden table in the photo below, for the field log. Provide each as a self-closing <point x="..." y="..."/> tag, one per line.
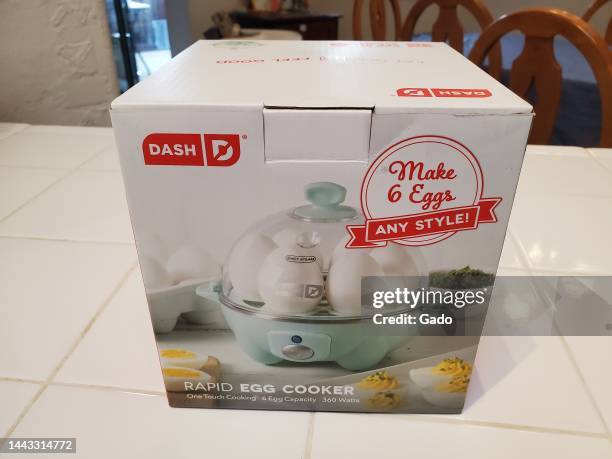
<point x="312" y="26"/>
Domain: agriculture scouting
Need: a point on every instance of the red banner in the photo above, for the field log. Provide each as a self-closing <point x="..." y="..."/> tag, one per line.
<point x="377" y="232"/>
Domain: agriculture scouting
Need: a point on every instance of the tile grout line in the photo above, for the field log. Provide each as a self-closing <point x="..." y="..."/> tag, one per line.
<point x="20" y="380"/>
<point x="505" y="426"/>
<point x="525" y="259"/>
<point x="534" y="272"/>
<point x="107" y="388"/>
<point x="67" y="173"/>
<point x="36" y="168"/>
<point x="598" y="161"/>
<point x="70" y="351"/>
<point x="587" y="389"/>
<point x="309" y="436"/>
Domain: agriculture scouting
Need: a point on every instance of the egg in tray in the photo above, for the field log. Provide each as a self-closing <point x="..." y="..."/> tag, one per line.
<point x="171" y="279"/>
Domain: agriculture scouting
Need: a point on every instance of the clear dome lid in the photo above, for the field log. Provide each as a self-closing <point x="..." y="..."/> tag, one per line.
<point x="295" y="264"/>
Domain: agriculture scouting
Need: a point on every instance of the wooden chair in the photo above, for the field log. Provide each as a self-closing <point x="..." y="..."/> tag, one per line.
<point x="378" y="19"/>
<point x="536" y="66"/>
<point x="448" y="27"/>
<point x="592" y="10"/>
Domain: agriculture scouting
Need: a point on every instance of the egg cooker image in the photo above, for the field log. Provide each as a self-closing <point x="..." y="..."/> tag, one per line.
<point x="291" y="291"/>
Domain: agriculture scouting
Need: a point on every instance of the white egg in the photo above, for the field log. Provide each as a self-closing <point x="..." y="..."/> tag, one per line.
<point x="179" y="379"/>
<point x="154" y="275"/>
<point x="444" y="399"/>
<point x="398" y="261"/>
<point x="151" y="245"/>
<point x="343" y="288"/>
<point x="395" y="261"/>
<point x="340" y="250"/>
<point x="177" y="357"/>
<point x="425" y="377"/>
<point x="244" y="263"/>
<point x="189" y="262"/>
<point x="290" y="282"/>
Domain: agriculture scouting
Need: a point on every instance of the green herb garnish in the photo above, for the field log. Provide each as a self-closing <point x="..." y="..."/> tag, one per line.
<point x="459" y="279"/>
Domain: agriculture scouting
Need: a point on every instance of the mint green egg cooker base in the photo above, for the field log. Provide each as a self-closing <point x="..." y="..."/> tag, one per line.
<point x="343" y="342"/>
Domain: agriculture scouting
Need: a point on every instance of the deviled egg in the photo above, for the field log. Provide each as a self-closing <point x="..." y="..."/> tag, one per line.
<point x="443" y="372"/>
<point x="384" y="401"/>
<point x="449" y="394"/>
<point x="380" y="381"/>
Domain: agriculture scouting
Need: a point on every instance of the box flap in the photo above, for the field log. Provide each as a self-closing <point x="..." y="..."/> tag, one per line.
<point x="298" y="134"/>
<point x="394" y="77"/>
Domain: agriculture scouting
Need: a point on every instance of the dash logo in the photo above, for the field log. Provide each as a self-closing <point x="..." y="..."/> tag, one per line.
<point x="222" y="149"/>
<point x="443" y="92"/>
<point x="450" y="92"/>
<point x="413" y="92"/>
<point x="215" y="150"/>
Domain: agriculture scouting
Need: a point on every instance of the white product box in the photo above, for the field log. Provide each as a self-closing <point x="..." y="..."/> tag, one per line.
<point x="266" y="180"/>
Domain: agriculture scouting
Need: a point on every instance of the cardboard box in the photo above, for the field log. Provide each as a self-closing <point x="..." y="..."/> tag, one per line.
<point x="288" y="200"/>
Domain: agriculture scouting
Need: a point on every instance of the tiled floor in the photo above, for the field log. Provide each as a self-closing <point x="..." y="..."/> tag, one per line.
<point x="77" y="354"/>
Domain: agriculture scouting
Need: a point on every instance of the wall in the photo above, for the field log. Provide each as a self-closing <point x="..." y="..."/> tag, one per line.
<point x="57" y="65"/>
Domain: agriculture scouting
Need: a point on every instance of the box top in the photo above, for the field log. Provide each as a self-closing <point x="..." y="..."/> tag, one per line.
<point x="390" y="77"/>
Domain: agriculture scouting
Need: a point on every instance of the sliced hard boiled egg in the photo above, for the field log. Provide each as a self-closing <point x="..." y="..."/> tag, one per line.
<point x="183" y="358"/>
<point x="178" y="379"/>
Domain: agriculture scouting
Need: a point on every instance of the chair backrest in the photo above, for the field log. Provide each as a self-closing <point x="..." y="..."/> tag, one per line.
<point x="596" y="5"/>
<point x="378" y="19"/>
<point x="537" y="67"/>
<point x="448" y="26"/>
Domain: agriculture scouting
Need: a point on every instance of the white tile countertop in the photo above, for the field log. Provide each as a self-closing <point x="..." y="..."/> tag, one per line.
<point x="77" y="352"/>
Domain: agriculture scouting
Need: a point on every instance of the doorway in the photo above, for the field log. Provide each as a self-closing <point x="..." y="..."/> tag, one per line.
<point x="139" y="32"/>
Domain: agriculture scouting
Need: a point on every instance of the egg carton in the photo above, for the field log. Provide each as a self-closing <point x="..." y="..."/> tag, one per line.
<point x="167" y="304"/>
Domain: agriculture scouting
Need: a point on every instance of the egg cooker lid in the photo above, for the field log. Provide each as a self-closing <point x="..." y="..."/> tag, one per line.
<point x="325" y="204"/>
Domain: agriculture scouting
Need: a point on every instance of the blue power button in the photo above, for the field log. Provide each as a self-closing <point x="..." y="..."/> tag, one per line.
<point x="296" y="339"/>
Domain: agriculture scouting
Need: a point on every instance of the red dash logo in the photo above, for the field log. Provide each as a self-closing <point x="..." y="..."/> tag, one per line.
<point x="215" y="150"/>
<point x="450" y="92"/>
<point x="222" y="150"/>
<point x="443" y="92"/>
<point x="413" y="92"/>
